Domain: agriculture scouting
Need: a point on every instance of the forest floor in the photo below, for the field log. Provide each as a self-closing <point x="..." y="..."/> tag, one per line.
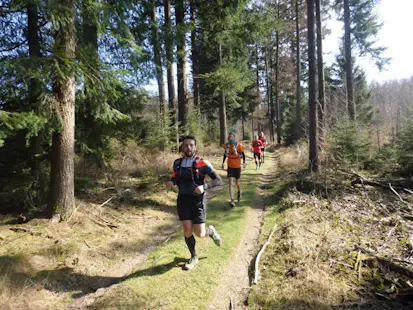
<point x="335" y="245"/>
<point x="127" y="232"/>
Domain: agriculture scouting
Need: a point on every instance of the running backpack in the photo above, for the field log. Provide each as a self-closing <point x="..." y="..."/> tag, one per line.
<point x="196" y="175"/>
<point x="234" y="149"/>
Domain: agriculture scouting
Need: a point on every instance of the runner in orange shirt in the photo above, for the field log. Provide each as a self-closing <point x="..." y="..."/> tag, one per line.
<point x="234" y="151"/>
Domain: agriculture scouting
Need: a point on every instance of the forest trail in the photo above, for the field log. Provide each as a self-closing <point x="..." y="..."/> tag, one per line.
<point x="87" y="265"/>
<point x="233" y="286"/>
<point x="235" y="283"/>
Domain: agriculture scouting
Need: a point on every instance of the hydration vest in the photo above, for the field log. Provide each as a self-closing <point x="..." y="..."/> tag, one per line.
<point x="234" y="149"/>
<point x="197" y="177"/>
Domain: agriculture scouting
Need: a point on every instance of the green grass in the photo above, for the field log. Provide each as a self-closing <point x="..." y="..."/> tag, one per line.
<point x="162" y="284"/>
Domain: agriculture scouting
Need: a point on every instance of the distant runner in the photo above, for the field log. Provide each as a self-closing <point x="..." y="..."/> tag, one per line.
<point x="234" y="151"/>
<point x="263" y="140"/>
<point x="188" y="174"/>
<point x="256" y="148"/>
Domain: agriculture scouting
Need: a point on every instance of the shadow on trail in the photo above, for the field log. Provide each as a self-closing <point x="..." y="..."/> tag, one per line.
<point x="66" y="280"/>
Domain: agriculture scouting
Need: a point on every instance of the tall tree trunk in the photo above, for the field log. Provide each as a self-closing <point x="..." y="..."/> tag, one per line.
<point x="194" y="58"/>
<point x="320" y="71"/>
<point x="257" y="74"/>
<point x="298" y="76"/>
<point x="157" y="58"/>
<point x="222" y="109"/>
<point x="378" y="134"/>
<point x="312" y="97"/>
<point x="277" y="76"/>
<point x="242" y="123"/>
<point x="252" y="124"/>
<point x="169" y="62"/>
<point x="348" y="62"/>
<point x="36" y="163"/>
<point x="182" y="80"/>
<point x="270" y="102"/>
<point x="61" y="193"/>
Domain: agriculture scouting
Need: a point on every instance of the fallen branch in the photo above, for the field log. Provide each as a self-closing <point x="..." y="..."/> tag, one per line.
<point x="340" y="263"/>
<point x="16" y="229"/>
<point x="257" y="260"/>
<point x="402" y="184"/>
<point x="408" y="190"/>
<point x="397" y="194"/>
<point x="88" y="245"/>
<point x="105" y="202"/>
<point x="388" y="263"/>
<point x="363" y="181"/>
<point x="107" y="224"/>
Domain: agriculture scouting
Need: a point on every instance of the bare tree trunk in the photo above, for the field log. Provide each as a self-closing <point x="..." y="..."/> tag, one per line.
<point x="277" y="99"/>
<point x="348" y="62"/>
<point x="252" y="124"/>
<point x="272" y="104"/>
<point x="242" y="123"/>
<point x="222" y="109"/>
<point x="312" y="97"/>
<point x="270" y="98"/>
<point x="169" y="62"/>
<point x="378" y="135"/>
<point x="320" y="71"/>
<point x="157" y="58"/>
<point x="257" y="73"/>
<point x="298" y="76"/>
<point x="182" y="80"/>
<point x="194" y="54"/>
<point x="61" y="194"/>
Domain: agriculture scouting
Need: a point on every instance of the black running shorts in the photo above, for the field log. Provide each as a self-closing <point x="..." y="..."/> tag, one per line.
<point x="192" y="207"/>
<point x="234" y="173"/>
<point x="257" y="155"/>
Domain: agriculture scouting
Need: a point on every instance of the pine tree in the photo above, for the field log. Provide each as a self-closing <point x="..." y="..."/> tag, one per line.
<point x="361" y="27"/>
<point x="62" y="192"/>
<point x="157" y="56"/>
<point x="181" y="63"/>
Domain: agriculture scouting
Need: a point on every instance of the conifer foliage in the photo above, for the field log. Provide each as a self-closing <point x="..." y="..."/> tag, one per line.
<point x="75" y="75"/>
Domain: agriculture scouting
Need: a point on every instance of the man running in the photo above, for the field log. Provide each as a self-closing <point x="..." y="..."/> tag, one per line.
<point x="188" y="174"/>
<point x="263" y="140"/>
<point x="256" y="148"/>
<point x="234" y="151"/>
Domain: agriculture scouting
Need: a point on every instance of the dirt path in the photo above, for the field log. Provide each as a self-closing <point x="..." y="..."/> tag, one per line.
<point x="234" y="287"/>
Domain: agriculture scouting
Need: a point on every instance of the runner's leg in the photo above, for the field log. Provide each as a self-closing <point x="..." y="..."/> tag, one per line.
<point x="231" y="190"/>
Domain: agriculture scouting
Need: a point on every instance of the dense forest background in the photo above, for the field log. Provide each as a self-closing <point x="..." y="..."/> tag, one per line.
<point x="73" y="76"/>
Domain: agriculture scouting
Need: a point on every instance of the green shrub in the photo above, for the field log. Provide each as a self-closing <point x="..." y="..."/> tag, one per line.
<point x="404" y="144"/>
<point x="385" y="161"/>
<point x="350" y="144"/>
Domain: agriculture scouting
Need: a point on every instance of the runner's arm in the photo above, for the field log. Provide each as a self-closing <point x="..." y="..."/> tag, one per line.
<point x="173" y="176"/>
<point x="216" y="180"/>
<point x="243" y="157"/>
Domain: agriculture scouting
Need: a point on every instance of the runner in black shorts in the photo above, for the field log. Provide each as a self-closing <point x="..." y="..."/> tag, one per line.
<point x="256" y="148"/>
<point x="234" y="151"/>
<point x="263" y="140"/>
<point x="188" y="174"/>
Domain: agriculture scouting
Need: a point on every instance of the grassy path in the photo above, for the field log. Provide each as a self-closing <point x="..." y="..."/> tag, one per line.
<point x="160" y="281"/>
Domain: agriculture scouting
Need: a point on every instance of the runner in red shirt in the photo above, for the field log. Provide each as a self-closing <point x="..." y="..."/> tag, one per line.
<point x="263" y="140"/>
<point x="256" y="148"/>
